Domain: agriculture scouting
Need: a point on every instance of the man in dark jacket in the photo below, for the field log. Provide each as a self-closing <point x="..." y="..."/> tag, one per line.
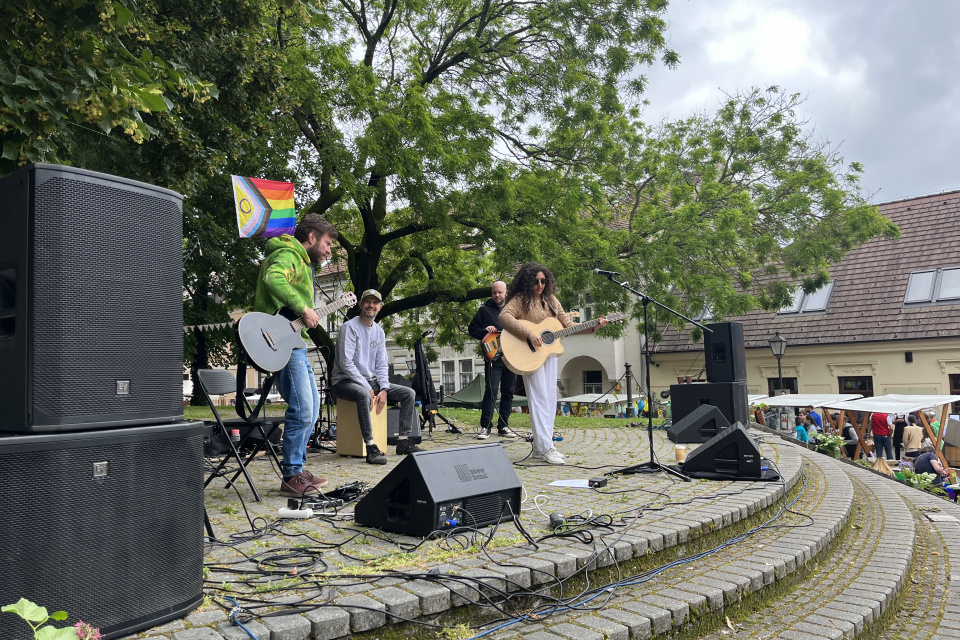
<point x="499" y="377"/>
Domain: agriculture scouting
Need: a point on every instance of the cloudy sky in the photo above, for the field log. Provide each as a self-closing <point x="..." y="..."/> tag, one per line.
<point x="882" y="79"/>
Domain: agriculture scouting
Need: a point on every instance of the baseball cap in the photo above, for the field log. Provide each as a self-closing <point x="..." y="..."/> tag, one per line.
<point x="371" y="292"/>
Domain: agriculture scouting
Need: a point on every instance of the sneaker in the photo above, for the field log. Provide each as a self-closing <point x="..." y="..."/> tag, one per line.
<point x="405" y="447"/>
<point x="552" y="457"/>
<point x="296" y="487"/>
<point x="314" y="480"/>
<point x="506" y="433"/>
<point x="374" y="455"/>
<point x="484" y="434"/>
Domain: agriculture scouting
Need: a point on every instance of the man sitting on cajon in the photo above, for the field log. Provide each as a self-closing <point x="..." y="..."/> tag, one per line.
<point x="360" y="376"/>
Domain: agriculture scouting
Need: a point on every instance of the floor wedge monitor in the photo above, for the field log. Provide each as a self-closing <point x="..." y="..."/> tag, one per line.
<point x="444" y="489"/>
<point x="91" y="301"/>
<point x="732" y="453"/>
<point x="701" y="425"/>
<point x="106" y="525"/>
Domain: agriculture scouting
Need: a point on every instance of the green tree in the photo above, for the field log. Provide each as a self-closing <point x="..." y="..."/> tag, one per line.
<point x="726" y="211"/>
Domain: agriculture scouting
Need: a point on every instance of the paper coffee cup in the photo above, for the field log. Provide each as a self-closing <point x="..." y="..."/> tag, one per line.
<point x="681" y="452"/>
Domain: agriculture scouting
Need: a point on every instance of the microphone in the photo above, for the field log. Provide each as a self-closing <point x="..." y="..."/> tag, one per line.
<point x="601" y="272"/>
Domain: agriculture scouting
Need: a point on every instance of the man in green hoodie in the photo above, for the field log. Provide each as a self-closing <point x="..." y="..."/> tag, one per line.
<point x="286" y="283"/>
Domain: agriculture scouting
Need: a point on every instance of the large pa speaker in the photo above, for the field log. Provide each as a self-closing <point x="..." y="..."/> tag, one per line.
<point x="723" y="352"/>
<point x="731" y="453"/>
<point x="700" y="425"/>
<point x="729" y="397"/>
<point x="91" y="301"/>
<point x="106" y="525"/>
<point x="444" y="489"/>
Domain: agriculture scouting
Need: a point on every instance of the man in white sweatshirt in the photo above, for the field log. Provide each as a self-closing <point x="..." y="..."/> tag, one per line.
<point x="360" y="374"/>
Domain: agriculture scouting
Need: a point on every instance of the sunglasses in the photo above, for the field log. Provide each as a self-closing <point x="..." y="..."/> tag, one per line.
<point x="540" y="281"/>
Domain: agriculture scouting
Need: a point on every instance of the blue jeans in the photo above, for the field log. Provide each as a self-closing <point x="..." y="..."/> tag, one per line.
<point x="883" y="446"/>
<point x="299" y="389"/>
<point x="357" y="393"/>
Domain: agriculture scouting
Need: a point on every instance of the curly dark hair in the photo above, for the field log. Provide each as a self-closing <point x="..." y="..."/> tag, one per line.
<point x="525" y="280"/>
<point x="317" y="224"/>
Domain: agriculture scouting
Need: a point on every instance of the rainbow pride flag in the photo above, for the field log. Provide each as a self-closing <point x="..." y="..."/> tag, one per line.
<point x="264" y="207"/>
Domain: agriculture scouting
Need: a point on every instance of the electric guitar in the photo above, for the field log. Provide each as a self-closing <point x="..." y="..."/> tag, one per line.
<point x="490" y="346"/>
<point x="270" y="339"/>
<point x="523" y="358"/>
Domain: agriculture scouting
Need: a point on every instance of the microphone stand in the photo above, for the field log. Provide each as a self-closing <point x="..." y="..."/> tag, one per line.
<point x="653" y="466"/>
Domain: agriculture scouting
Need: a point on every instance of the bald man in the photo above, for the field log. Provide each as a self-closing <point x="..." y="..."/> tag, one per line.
<point x="499" y="377"/>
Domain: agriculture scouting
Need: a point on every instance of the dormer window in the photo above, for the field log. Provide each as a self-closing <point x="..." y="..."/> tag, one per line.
<point x="802" y="303"/>
<point x="933" y="286"/>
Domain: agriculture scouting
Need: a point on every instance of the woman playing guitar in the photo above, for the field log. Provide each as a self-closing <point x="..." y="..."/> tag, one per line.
<point x="531" y="298"/>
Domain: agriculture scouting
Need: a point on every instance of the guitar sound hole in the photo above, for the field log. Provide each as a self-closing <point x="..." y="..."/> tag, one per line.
<point x="547" y="337"/>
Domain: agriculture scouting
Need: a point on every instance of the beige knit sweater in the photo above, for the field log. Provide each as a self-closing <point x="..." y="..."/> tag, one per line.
<point x="513" y="312"/>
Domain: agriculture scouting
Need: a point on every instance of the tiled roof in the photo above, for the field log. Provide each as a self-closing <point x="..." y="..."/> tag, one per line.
<point x="869" y="286"/>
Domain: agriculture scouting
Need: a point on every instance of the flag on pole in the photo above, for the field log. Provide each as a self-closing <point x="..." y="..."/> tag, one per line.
<point x="264" y="207"/>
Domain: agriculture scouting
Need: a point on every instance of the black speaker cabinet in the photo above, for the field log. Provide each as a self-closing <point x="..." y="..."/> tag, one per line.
<point x="442" y="490"/>
<point x="729" y="397"/>
<point x="731" y="453"/>
<point x="393" y="427"/>
<point x="723" y="352"/>
<point x="700" y="425"/>
<point x="91" y="301"/>
<point x="106" y="525"/>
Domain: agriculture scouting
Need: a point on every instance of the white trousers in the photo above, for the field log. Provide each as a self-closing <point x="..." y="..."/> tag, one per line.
<point x="541" y="390"/>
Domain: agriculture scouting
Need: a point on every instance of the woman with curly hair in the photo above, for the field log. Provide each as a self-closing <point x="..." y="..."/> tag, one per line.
<point x="532" y="297"/>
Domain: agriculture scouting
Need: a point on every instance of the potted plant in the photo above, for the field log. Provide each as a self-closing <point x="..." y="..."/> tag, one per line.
<point x="829" y="444"/>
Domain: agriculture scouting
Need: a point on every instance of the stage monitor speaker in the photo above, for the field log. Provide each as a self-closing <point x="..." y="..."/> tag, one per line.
<point x="729" y="397"/>
<point x="723" y="352"/>
<point x="444" y="489"/>
<point x="91" y="301"/>
<point x="700" y="425"/>
<point x="731" y="453"/>
<point x="393" y="427"/>
<point x="106" y="525"/>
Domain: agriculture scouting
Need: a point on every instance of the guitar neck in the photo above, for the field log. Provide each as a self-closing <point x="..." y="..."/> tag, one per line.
<point x="577" y="328"/>
<point x="299" y="324"/>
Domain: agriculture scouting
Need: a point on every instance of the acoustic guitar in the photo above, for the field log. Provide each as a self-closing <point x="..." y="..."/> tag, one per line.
<point x="270" y="339"/>
<point x="523" y="358"/>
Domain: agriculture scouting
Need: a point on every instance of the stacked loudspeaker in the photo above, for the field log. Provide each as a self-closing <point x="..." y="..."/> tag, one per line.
<point x="726" y="386"/>
<point x="103" y="480"/>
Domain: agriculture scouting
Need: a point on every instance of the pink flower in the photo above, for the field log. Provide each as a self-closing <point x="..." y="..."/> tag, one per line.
<point x="86" y="631"/>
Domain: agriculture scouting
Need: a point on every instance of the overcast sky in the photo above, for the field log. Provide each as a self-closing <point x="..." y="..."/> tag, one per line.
<point x="882" y="79"/>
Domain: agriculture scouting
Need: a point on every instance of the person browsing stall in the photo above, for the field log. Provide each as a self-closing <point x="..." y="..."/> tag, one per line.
<point x="498" y="377"/>
<point x="360" y="375"/>
<point x="286" y="281"/>
<point x="532" y="297"/>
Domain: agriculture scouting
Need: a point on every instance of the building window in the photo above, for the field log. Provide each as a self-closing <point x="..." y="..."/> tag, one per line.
<point x="789" y="384"/>
<point x="857" y="384"/>
<point x="449" y="376"/>
<point x="593" y="382"/>
<point x="955" y="390"/>
<point x="932" y="286"/>
<point x="466" y="372"/>
<point x="815" y="302"/>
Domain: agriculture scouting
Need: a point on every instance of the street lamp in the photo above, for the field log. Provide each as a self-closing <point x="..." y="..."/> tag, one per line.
<point x="778" y="345"/>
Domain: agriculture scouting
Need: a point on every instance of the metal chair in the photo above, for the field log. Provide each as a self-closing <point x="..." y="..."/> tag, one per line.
<point x="215" y="382"/>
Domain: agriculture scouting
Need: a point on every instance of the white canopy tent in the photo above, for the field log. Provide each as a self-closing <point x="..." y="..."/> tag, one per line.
<point x="897" y="404"/>
<point x="815" y="400"/>
<point x="599" y="401"/>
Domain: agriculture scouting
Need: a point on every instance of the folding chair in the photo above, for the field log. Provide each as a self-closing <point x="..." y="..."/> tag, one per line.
<point x="215" y="382"/>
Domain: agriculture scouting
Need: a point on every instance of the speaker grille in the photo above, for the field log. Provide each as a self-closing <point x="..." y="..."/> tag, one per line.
<point x="117" y="552"/>
<point x="108" y="304"/>
<point x="482" y="510"/>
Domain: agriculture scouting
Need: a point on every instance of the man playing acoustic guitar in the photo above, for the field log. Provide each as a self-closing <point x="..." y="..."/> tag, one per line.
<point x="498" y="376"/>
<point x="286" y="280"/>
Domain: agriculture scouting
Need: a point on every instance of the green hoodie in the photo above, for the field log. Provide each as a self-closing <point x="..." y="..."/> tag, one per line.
<point x="286" y="278"/>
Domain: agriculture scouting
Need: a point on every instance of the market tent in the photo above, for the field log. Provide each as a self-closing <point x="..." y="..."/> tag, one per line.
<point x="895" y="403"/>
<point x="471" y="396"/>
<point x="816" y="400"/>
<point x="598" y="403"/>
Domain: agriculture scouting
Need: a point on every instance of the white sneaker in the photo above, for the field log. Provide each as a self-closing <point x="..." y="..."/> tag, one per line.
<point x="552" y="457"/>
<point x="483" y="435"/>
